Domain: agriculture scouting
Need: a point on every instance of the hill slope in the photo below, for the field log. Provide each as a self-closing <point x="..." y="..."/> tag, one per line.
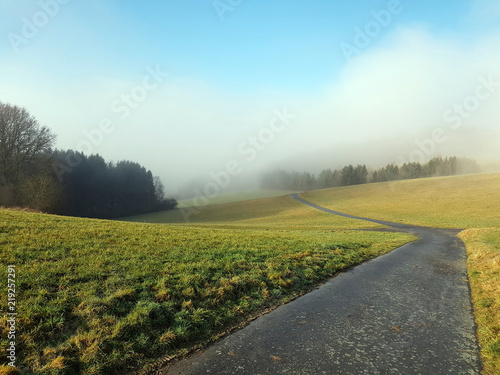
<point x="105" y="297"/>
<point x="258" y="213"/>
<point x="237" y="197"/>
<point x="468" y="202"/>
<point x="100" y="296"/>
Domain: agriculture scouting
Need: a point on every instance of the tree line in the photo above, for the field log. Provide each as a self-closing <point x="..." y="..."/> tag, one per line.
<point x="359" y="174"/>
<point x="34" y="175"/>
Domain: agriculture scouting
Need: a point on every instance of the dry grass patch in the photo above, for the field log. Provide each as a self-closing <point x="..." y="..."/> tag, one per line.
<point x="483" y="263"/>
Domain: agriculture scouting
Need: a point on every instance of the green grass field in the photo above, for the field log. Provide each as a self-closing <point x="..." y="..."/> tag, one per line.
<point x="107" y="297"/>
<point x="238" y="196"/>
<point x="466" y="202"/>
<point x="259" y="213"/>
<point x="470" y="201"/>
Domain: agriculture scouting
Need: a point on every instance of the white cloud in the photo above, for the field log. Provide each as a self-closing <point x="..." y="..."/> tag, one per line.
<point x="402" y="90"/>
<point x="391" y="96"/>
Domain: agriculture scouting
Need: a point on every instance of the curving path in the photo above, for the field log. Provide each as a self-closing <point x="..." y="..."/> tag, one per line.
<point x="406" y="312"/>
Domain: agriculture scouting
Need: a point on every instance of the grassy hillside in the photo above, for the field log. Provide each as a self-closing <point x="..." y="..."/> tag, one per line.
<point x="470" y="201"/>
<point x="104" y="297"/>
<point x="239" y="196"/>
<point x="467" y="202"/>
<point x="259" y="213"/>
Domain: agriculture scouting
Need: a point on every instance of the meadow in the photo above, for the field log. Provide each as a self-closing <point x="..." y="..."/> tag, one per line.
<point x="238" y="196"/>
<point x="469" y="202"/>
<point x="282" y="211"/>
<point x="108" y="297"/>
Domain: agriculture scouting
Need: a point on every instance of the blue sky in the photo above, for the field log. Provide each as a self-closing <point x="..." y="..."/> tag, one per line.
<point x="228" y="72"/>
<point x="280" y="44"/>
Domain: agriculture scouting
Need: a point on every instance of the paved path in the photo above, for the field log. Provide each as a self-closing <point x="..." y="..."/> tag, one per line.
<point x="406" y="312"/>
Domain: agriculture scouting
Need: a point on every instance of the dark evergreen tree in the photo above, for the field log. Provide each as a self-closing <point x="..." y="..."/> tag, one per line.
<point x="94" y="188"/>
<point x="348" y="175"/>
<point x="360" y="174"/>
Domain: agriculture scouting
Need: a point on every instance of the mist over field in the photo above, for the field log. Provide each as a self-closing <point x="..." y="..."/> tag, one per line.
<point x="173" y="170"/>
<point x="258" y="87"/>
<point x="411" y="99"/>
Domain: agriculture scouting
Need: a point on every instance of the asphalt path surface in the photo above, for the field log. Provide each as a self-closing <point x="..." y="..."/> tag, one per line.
<point x="406" y="312"/>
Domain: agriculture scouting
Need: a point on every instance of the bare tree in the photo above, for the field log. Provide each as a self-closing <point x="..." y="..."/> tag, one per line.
<point x="159" y="189"/>
<point x="21" y="140"/>
<point x="41" y="192"/>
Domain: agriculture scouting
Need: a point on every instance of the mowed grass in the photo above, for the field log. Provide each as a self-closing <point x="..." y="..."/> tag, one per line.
<point x="107" y="297"/>
<point x="467" y="202"/>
